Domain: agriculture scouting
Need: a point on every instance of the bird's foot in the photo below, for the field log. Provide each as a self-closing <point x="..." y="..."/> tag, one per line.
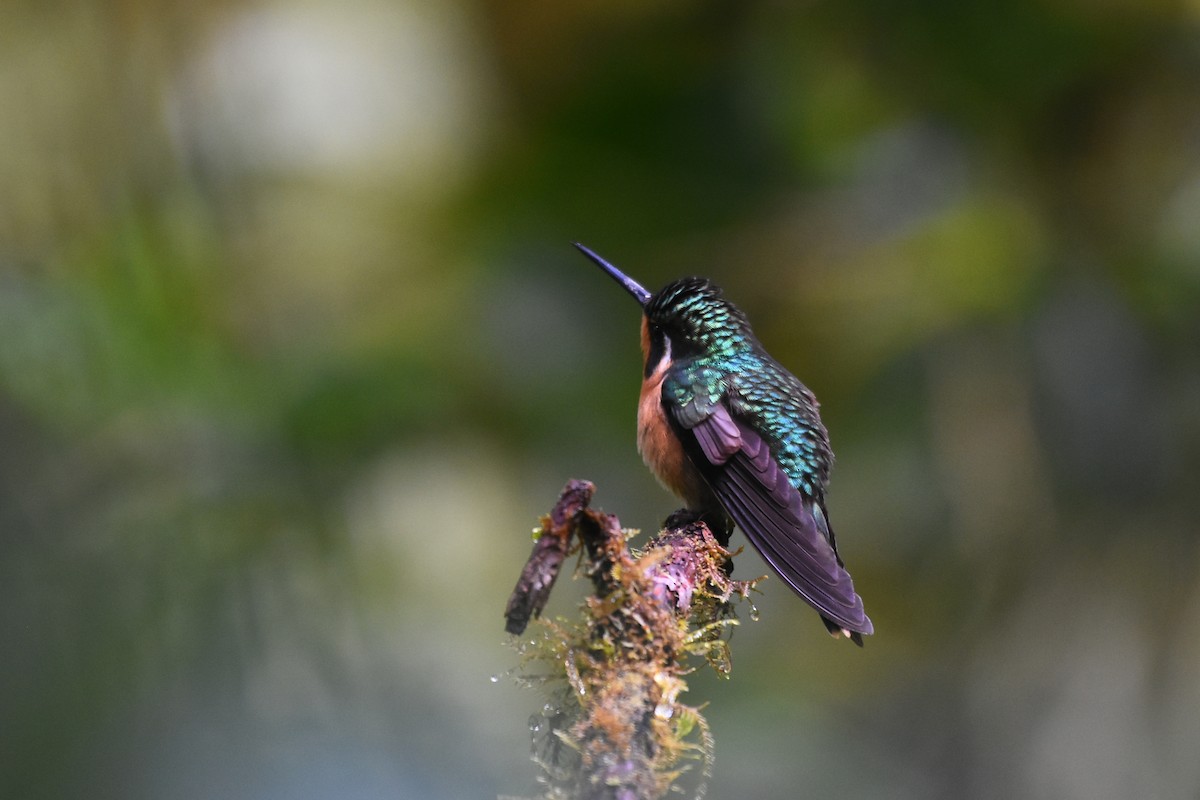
<point x="718" y="523"/>
<point x="681" y="518"/>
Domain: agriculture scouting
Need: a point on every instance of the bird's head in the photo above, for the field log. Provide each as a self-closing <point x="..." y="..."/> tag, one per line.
<point x="686" y="318"/>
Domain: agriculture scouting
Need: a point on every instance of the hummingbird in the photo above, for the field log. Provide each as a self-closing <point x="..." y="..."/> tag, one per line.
<point x="739" y="439"/>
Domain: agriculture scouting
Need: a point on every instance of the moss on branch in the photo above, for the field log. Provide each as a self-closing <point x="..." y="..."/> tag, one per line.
<point x="615" y="728"/>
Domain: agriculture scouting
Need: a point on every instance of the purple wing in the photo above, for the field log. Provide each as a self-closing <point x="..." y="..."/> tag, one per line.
<point x="775" y="516"/>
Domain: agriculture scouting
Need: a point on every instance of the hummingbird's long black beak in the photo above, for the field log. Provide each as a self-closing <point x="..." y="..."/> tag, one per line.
<point x="633" y="287"/>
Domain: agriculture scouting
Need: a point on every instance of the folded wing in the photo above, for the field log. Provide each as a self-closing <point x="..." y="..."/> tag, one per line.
<point x="777" y="518"/>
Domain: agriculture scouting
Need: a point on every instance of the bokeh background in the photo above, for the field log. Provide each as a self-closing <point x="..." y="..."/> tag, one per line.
<point x="294" y="350"/>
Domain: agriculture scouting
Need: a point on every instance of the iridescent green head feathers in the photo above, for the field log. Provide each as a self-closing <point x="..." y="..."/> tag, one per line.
<point x="692" y="311"/>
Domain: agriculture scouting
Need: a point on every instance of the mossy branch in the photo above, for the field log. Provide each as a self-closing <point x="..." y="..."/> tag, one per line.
<point x="616" y="728"/>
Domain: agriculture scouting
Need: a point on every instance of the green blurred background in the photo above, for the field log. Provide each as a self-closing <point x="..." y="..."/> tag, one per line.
<point x="294" y="349"/>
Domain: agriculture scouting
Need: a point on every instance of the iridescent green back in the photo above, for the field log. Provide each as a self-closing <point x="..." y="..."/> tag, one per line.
<point x="718" y="359"/>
